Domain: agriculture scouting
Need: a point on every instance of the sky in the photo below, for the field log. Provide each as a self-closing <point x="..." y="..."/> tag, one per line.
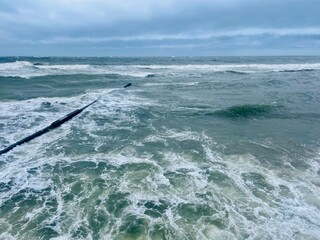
<point x="159" y="27"/>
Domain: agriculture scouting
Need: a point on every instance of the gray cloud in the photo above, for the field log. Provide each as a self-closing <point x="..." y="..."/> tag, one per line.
<point x="28" y="27"/>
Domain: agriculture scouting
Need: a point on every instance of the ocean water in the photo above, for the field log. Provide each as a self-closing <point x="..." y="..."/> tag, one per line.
<point x="196" y="148"/>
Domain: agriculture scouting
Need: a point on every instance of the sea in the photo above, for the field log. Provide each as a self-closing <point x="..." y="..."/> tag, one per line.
<point x="195" y="148"/>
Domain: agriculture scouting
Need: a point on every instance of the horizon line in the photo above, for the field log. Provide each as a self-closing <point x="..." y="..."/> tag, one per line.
<point x="151" y="56"/>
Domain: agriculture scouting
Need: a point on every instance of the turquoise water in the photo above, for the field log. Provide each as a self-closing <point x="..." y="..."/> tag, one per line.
<point x="196" y="148"/>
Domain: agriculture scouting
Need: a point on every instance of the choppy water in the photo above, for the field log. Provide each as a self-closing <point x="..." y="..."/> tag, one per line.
<point x="197" y="148"/>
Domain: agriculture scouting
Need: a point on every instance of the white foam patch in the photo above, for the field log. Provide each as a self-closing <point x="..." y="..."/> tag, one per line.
<point x="175" y="134"/>
<point x="213" y="232"/>
<point x="276" y="211"/>
<point x="16" y="173"/>
<point x="314" y="164"/>
<point x="7" y="236"/>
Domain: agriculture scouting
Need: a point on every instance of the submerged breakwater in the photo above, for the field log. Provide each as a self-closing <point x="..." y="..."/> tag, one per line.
<point x="196" y="148"/>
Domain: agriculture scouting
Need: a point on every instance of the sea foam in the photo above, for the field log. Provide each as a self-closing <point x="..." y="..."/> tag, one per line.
<point x="25" y="69"/>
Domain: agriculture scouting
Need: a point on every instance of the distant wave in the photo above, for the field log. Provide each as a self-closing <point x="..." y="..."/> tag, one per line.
<point x="299" y="70"/>
<point x="171" y="84"/>
<point x="25" y="69"/>
<point x="151" y="75"/>
<point x="235" y="72"/>
<point x="38" y="64"/>
<point x="234" y="68"/>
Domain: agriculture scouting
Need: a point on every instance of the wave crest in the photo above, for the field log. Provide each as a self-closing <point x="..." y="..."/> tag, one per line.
<point x="245" y="111"/>
<point x="25" y="69"/>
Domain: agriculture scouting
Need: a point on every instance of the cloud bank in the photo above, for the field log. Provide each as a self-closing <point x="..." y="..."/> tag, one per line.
<point x="159" y="27"/>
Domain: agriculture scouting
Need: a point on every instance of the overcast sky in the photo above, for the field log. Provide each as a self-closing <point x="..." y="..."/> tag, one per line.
<point x="159" y="27"/>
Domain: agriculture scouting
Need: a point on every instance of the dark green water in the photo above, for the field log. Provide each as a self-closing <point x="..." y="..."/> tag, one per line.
<point x="196" y="148"/>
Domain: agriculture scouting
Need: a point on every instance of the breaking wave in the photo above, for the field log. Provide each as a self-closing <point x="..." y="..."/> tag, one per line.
<point x="26" y="69"/>
<point x="245" y="111"/>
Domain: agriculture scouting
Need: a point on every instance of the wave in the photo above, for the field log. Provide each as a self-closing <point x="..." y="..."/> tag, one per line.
<point x="25" y="69"/>
<point x="151" y="75"/>
<point x="38" y="64"/>
<point x="234" y="68"/>
<point x="171" y="84"/>
<point x="245" y="111"/>
<point x="15" y="65"/>
<point x="299" y="70"/>
<point x="235" y="72"/>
